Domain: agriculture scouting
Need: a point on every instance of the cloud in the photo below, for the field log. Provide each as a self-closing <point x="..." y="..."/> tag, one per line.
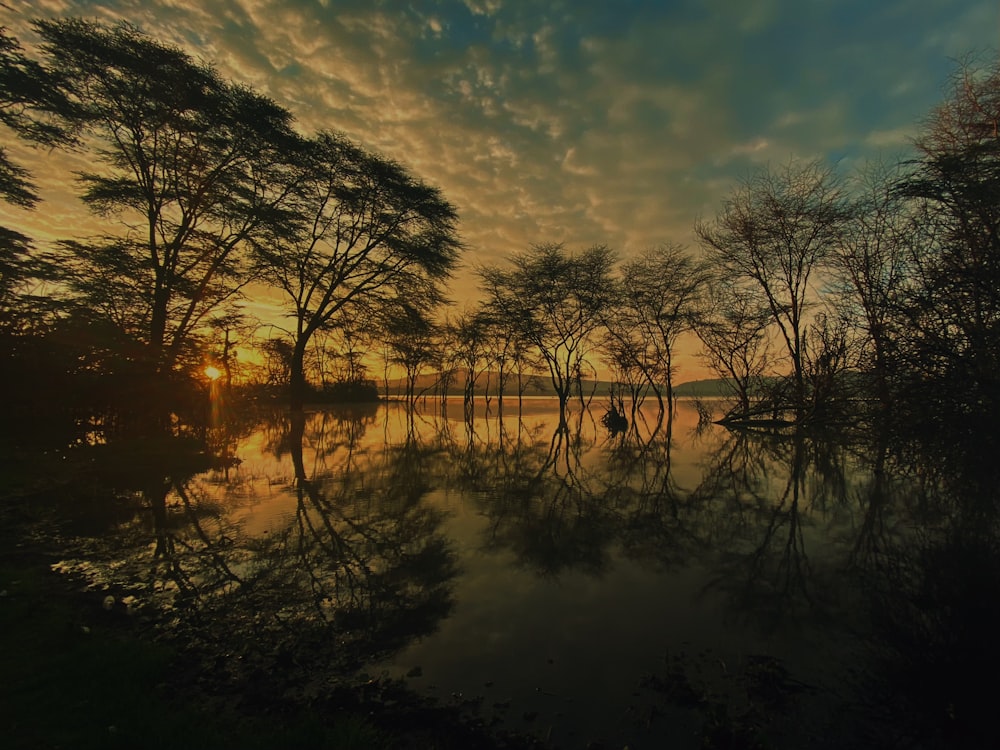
<point x="896" y="139"/>
<point x="483" y="7"/>
<point x="583" y="122"/>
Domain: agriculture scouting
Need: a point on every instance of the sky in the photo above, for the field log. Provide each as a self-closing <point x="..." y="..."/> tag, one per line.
<point x="579" y="121"/>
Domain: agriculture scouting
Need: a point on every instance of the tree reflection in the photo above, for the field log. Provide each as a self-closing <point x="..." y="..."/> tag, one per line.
<point x="654" y="511"/>
<point x="787" y="532"/>
<point x="541" y="503"/>
<point x="773" y="493"/>
<point x="934" y="603"/>
<point x="557" y="510"/>
<point x="357" y="569"/>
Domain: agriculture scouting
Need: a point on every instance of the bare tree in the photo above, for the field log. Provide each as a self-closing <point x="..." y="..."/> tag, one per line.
<point x="871" y="266"/>
<point x="775" y="231"/>
<point x="827" y="353"/>
<point x="500" y="311"/>
<point x="467" y="349"/>
<point x="732" y="328"/>
<point x="410" y="337"/>
<point x="556" y="300"/>
<point x="658" y="294"/>
<point x="623" y="351"/>
<point x="502" y="349"/>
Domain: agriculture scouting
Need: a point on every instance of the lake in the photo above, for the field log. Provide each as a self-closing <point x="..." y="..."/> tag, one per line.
<point x="679" y="582"/>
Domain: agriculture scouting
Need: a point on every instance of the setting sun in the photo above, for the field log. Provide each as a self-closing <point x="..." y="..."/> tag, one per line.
<point x="213" y="373"/>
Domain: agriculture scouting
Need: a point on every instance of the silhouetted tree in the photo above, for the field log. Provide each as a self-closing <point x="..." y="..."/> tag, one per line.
<point x="193" y="168"/>
<point x="501" y="312"/>
<point x="29" y="95"/>
<point x="622" y="351"/>
<point x="556" y="300"/>
<point x="827" y="354"/>
<point x="410" y="337"/>
<point x="31" y="100"/>
<point x="228" y="329"/>
<point x="466" y="341"/>
<point x="370" y="230"/>
<point x="775" y="230"/>
<point x="732" y="327"/>
<point x="658" y="294"/>
<point x="870" y="266"/>
<point x="501" y="346"/>
<point x="277" y="353"/>
<point x="343" y="348"/>
<point x="951" y="341"/>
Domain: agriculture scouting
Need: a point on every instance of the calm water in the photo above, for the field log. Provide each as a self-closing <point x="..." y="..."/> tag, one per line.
<point x="568" y="583"/>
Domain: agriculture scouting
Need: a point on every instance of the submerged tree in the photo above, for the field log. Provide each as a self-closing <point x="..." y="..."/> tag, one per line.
<point x="410" y="338"/>
<point x="467" y="340"/>
<point x="622" y="351"/>
<point x="370" y="231"/>
<point x="659" y="292"/>
<point x="775" y="231"/>
<point x="732" y="328"/>
<point x="506" y="339"/>
<point x="556" y="300"/>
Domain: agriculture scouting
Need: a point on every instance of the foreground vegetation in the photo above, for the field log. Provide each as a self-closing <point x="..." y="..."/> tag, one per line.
<point x="83" y="676"/>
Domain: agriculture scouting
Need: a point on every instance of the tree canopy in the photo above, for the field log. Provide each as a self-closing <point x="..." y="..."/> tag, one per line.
<point x="555" y="300"/>
<point x="369" y="230"/>
<point x="775" y="231"/>
<point x="194" y="169"/>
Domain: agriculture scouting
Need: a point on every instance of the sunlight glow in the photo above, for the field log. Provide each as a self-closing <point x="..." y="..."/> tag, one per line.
<point x="213" y="373"/>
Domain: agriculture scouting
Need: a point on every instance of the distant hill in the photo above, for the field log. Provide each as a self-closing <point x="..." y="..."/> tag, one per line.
<point x="535" y="385"/>
<point x="539" y="385"/>
<point x="709" y="388"/>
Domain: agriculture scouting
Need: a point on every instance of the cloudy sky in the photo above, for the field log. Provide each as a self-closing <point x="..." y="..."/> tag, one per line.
<point x="582" y="121"/>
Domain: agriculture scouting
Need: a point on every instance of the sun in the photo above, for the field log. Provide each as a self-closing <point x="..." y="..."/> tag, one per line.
<point x="213" y="373"/>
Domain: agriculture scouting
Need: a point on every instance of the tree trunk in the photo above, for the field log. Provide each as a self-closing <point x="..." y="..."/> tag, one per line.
<point x="297" y="381"/>
<point x="297" y="430"/>
<point x="158" y="329"/>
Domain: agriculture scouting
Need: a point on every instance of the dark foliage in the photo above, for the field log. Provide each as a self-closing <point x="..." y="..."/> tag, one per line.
<point x="350" y="393"/>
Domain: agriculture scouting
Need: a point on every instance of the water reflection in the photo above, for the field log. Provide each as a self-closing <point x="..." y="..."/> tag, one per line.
<point x="933" y="603"/>
<point x="350" y="568"/>
<point x="539" y="498"/>
<point x="576" y="583"/>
